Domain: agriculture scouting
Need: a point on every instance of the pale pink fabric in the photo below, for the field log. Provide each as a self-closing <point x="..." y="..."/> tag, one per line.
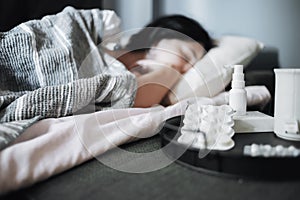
<point x="53" y="145"/>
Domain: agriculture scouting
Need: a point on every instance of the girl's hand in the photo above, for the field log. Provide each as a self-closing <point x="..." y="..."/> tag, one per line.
<point x="155" y="84"/>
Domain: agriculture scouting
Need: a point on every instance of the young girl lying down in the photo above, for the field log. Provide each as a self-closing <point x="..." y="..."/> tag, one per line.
<point x="167" y="47"/>
<point x="56" y="66"/>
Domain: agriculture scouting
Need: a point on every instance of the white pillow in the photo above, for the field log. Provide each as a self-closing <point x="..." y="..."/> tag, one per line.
<point x="213" y="72"/>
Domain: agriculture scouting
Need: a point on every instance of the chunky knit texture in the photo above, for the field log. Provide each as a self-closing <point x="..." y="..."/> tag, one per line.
<point x="53" y="68"/>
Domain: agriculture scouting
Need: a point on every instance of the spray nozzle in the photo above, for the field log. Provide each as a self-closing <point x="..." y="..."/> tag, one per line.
<point x="238" y="77"/>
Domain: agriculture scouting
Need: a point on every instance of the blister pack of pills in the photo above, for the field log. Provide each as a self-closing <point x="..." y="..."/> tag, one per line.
<point x="266" y="150"/>
<point x="208" y="127"/>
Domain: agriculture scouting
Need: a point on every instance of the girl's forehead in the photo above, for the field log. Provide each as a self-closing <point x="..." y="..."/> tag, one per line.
<point x="173" y="44"/>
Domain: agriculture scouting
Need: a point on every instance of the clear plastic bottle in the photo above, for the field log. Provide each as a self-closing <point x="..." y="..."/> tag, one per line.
<point x="237" y="94"/>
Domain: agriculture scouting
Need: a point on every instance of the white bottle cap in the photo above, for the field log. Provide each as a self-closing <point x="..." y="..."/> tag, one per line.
<point x="238" y="69"/>
<point x="238" y="81"/>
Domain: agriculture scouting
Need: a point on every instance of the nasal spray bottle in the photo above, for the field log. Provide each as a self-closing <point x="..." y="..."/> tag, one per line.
<point x="238" y="94"/>
<point x="253" y="121"/>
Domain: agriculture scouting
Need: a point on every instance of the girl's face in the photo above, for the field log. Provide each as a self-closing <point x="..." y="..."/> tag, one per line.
<point x="179" y="54"/>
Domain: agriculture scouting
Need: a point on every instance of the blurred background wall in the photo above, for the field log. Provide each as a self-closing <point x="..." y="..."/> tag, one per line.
<point x="14" y="12"/>
<point x="273" y="22"/>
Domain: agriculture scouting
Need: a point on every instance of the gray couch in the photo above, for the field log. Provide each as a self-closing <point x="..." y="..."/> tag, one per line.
<point x="260" y="72"/>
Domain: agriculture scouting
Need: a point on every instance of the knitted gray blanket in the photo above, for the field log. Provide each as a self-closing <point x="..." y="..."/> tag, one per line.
<point x="53" y="68"/>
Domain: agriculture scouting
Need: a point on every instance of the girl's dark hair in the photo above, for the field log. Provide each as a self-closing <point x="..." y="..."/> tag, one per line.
<point x="173" y="27"/>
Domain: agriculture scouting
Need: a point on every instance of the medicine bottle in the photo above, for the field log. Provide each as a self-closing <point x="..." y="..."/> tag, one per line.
<point x="237" y="94"/>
